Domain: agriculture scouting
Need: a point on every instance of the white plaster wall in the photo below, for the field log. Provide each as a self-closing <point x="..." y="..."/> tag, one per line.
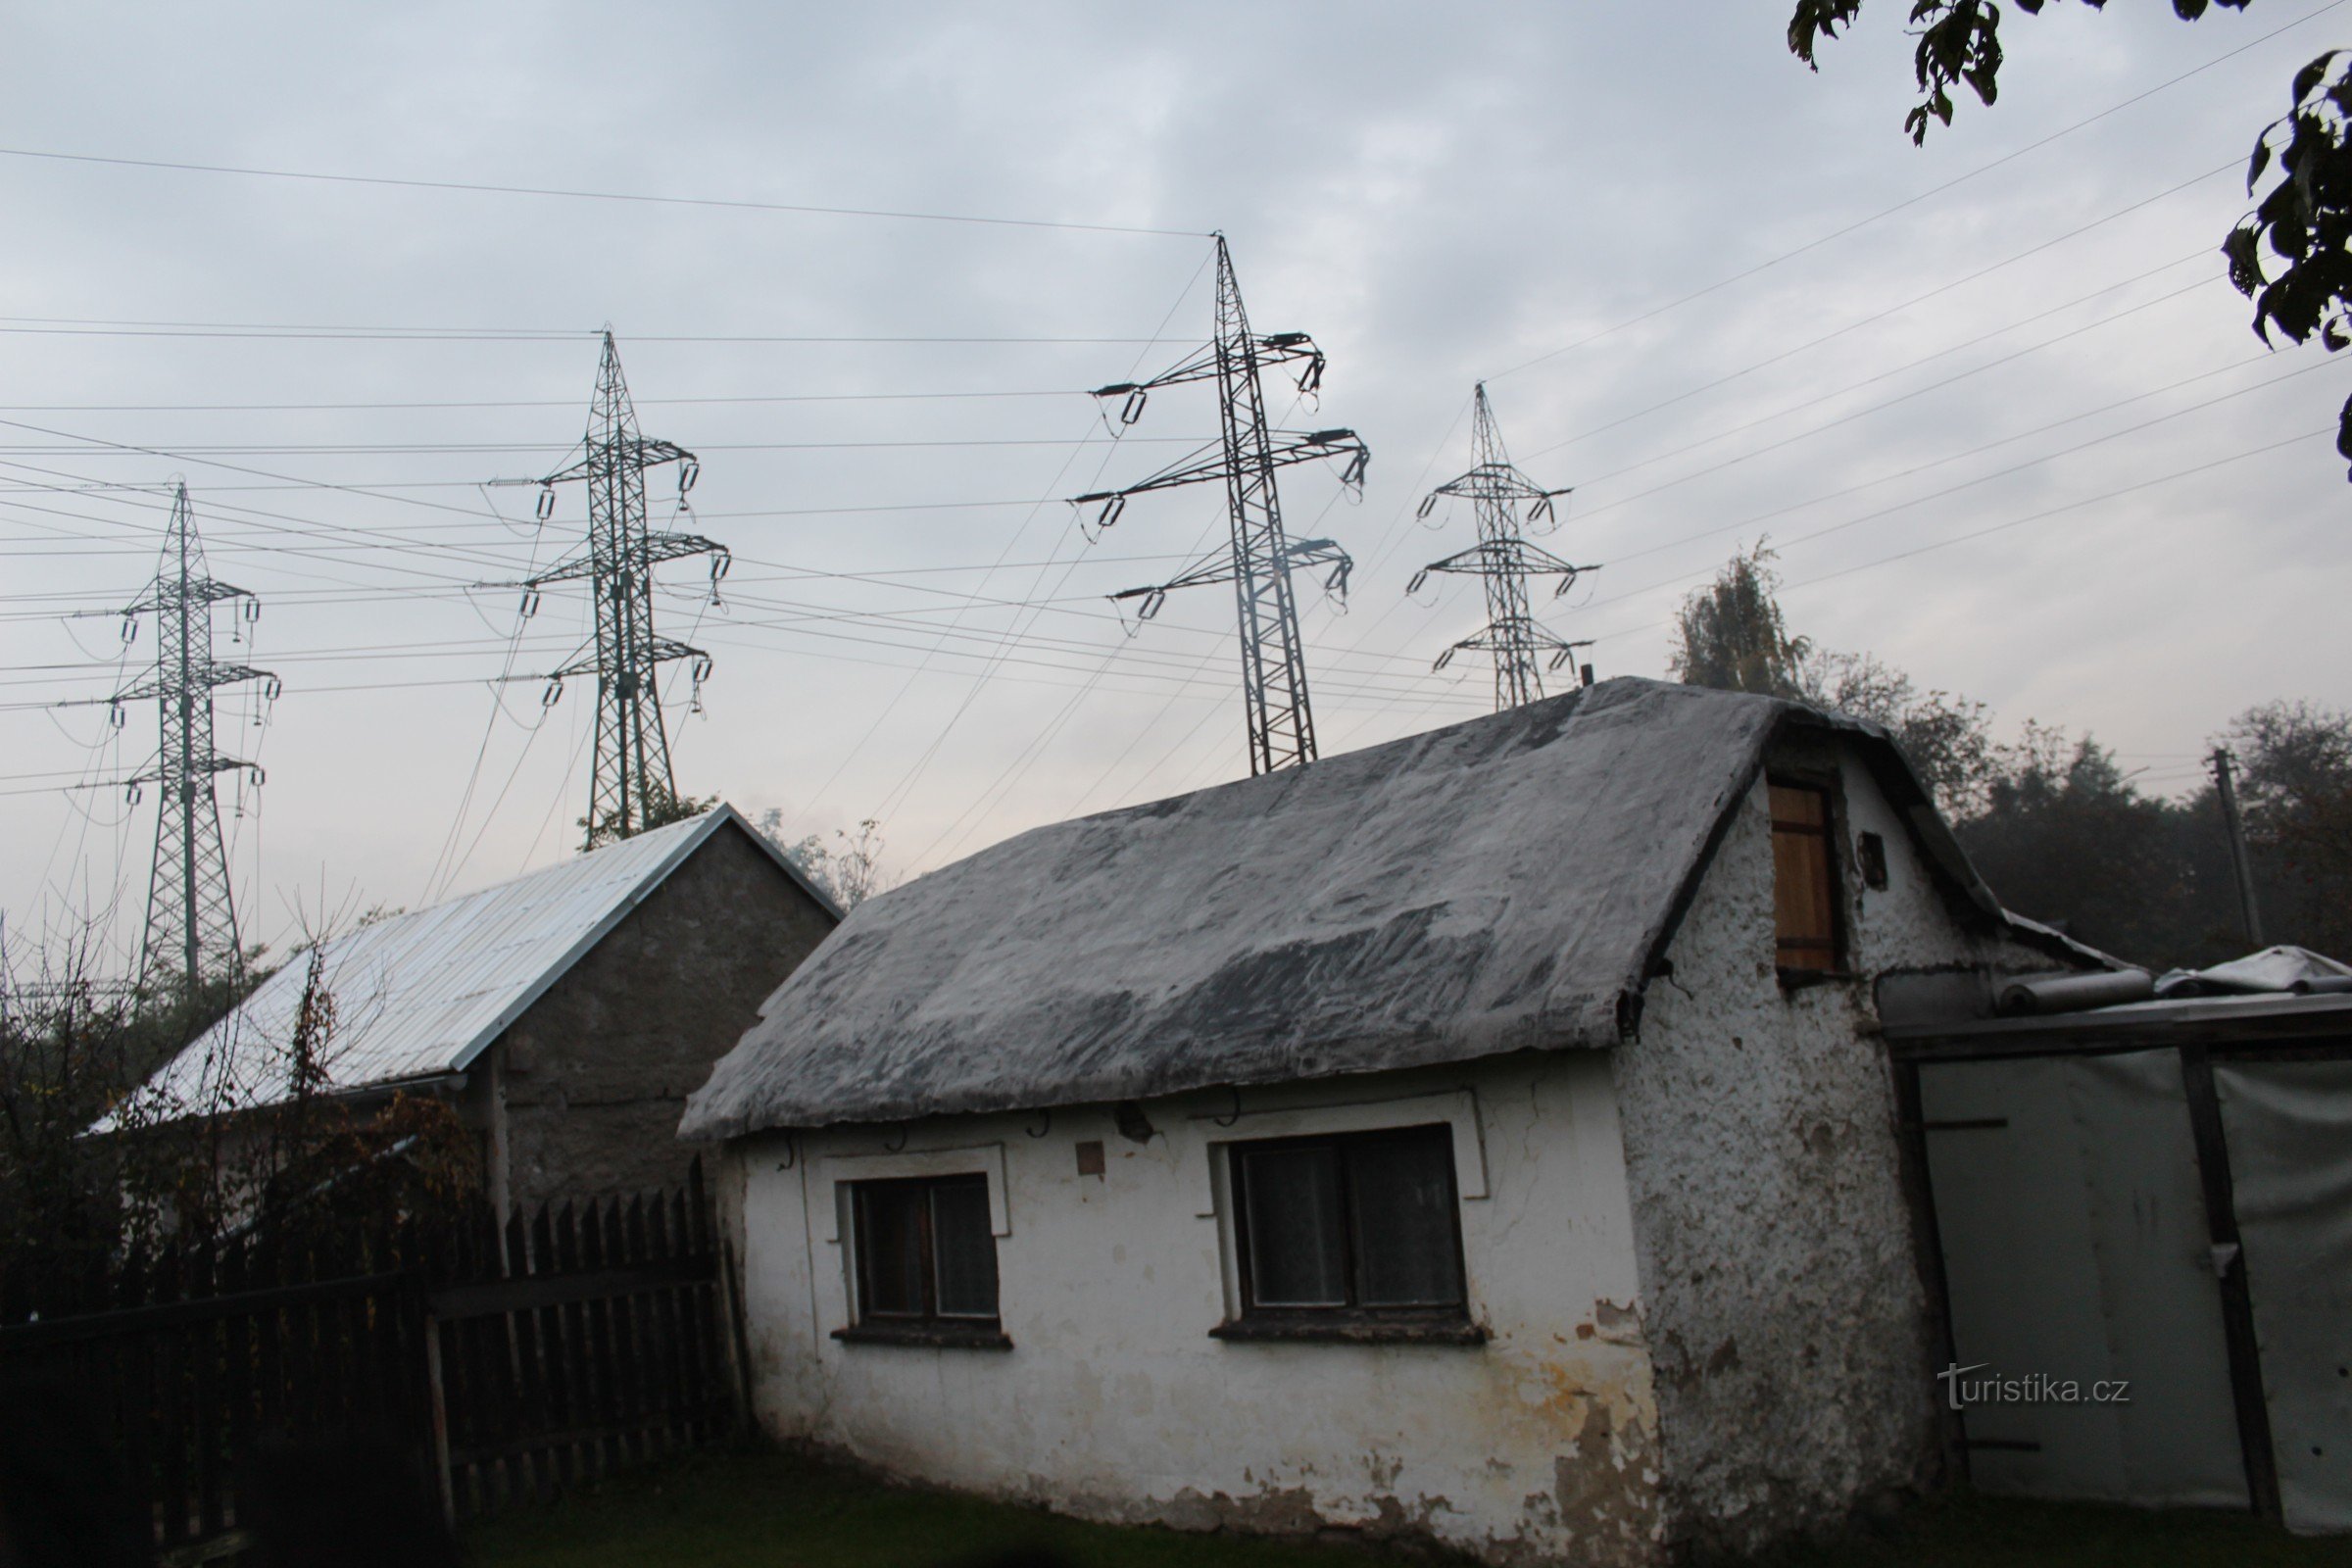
<point x="1782" y="1293"/>
<point x="1116" y="1403"/>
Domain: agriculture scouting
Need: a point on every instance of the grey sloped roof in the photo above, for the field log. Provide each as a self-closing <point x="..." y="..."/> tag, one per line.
<point x="1493" y="885"/>
<point x="422" y="993"/>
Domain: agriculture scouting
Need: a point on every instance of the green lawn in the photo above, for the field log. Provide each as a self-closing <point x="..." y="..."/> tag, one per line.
<point x="763" y="1511"/>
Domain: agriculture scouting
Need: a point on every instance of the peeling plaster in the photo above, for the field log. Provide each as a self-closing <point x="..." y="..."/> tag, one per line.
<point x="1779" y="1278"/>
<point x="1116" y="1404"/>
<point x="1694" y="1261"/>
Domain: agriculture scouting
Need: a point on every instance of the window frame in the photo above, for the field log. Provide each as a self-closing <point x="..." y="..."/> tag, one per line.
<point x="1837" y="964"/>
<point x="930" y="1326"/>
<point x="1443" y="1323"/>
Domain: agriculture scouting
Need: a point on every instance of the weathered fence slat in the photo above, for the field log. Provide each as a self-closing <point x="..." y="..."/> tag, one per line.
<point x="510" y="1360"/>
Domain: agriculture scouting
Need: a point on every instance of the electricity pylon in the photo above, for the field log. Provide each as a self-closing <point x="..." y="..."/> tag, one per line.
<point x="191" y="917"/>
<point x="1505" y="560"/>
<point x="633" y="788"/>
<point x="1259" y="557"/>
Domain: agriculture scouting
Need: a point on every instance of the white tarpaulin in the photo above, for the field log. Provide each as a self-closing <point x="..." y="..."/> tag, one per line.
<point x="2077" y="1251"/>
<point x="2290" y="1126"/>
<point x="2272" y="970"/>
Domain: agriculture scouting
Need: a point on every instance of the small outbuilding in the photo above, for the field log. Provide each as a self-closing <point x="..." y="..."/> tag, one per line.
<point x="1485" y="1137"/>
<point x="2143" y="1198"/>
<point x="564" y="1013"/>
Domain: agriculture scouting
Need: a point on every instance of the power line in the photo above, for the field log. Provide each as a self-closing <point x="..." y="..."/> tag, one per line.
<point x="2039" y="428"/>
<point x="263" y="332"/>
<point x="519" y="402"/>
<point x="2015" y="523"/>
<point x="1917" y="299"/>
<point x="2109" y="320"/>
<point x="486" y="188"/>
<point x="357" y="449"/>
<point x="1912" y="201"/>
<point x="954" y="718"/>
<point x="191" y="917"/>
<point x="1503" y="561"/>
<point x="1259" y="554"/>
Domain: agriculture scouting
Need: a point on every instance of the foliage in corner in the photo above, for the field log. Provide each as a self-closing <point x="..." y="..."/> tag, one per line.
<point x="1959" y="43"/>
<point x="96" y="1158"/>
<point x="1730" y="635"/>
<point x="2055" y="826"/>
<point x="2297" y="788"/>
<point x="2305" y="220"/>
<point x="849" y="872"/>
<point x="658" y="808"/>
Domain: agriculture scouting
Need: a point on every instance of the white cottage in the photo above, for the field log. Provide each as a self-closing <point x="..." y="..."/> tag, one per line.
<point x="1485" y="1135"/>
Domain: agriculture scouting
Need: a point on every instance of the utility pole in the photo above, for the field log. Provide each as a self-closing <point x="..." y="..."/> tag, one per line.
<point x="1259" y="557"/>
<point x="191" y="918"/>
<point x="1504" y="560"/>
<point x="2224" y="783"/>
<point x="633" y="788"/>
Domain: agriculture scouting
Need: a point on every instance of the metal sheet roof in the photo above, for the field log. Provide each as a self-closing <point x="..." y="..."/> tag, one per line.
<point x="422" y="993"/>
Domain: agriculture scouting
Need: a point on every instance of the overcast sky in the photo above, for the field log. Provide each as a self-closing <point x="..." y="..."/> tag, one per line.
<point x="2006" y="432"/>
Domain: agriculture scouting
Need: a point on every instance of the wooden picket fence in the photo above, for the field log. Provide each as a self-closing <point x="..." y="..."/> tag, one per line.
<point x="604" y="1336"/>
<point x="507" y="1362"/>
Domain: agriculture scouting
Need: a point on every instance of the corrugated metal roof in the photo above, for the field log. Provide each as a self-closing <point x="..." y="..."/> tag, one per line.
<point x="423" y="993"/>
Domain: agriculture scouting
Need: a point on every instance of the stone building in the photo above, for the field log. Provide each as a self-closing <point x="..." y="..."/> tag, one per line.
<point x="1483" y="1137"/>
<point x="565" y="1014"/>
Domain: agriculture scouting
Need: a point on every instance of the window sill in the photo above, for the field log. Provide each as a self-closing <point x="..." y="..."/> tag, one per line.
<point x="1804" y="979"/>
<point x="927" y="1335"/>
<point x="1352" y="1331"/>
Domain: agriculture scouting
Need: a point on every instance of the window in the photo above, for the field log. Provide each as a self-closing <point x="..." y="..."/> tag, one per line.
<point x="926" y="1261"/>
<point x="1804" y="880"/>
<point x="1350" y="1236"/>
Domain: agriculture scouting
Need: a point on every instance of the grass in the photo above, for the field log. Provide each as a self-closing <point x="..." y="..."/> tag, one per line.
<point x="1968" y="1530"/>
<point x="752" y="1509"/>
<point x="755" y="1509"/>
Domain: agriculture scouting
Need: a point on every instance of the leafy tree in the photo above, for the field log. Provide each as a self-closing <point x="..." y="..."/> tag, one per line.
<point x="850" y="870"/>
<point x="72" y="1046"/>
<point x="2291" y="255"/>
<point x="2056" y="827"/>
<point x="2066" y="837"/>
<point x="658" y="808"/>
<point x="2305" y="221"/>
<point x="1959" y="43"/>
<point x="1948" y="739"/>
<point x="1729" y="634"/>
<point x="74" y="1049"/>
<point x="2297" y="789"/>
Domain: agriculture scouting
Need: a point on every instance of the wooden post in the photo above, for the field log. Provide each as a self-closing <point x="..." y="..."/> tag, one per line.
<point x="440" y="1414"/>
<point x="2229" y="1273"/>
<point x="731" y="1289"/>
<point x="2225" y="785"/>
<point x="1927" y="1236"/>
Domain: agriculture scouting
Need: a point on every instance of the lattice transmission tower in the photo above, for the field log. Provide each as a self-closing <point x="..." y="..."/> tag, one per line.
<point x="633" y="788"/>
<point x="1259" y="557"/>
<point x="191" y="916"/>
<point x="1504" y="560"/>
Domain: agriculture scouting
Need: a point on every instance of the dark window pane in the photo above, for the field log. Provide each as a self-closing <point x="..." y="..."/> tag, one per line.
<point x="1402" y="1193"/>
<point x="1295" y="1224"/>
<point x="890" y="1248"/>
<point x="965" y="1249"/>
